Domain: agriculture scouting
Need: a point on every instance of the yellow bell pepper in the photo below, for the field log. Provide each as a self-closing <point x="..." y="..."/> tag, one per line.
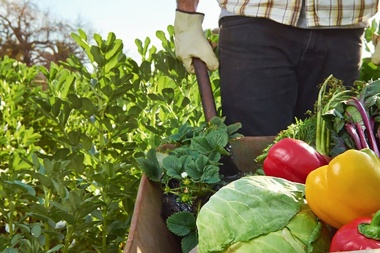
<point x="345" y="189"/>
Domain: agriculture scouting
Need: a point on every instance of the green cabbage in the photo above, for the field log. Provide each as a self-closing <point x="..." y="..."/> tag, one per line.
<point x="260" y="214"/>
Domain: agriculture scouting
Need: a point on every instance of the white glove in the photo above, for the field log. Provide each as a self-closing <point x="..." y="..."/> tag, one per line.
<point x="190" y="41"/>
<point x="376" y="55"/>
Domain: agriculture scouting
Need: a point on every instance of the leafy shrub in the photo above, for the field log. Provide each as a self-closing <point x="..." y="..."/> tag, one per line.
<point x="368" y="70"/>
<point x="68" y="170"/>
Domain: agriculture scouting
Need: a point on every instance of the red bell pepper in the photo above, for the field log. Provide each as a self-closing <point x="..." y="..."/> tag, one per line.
<point x="293" y="160"/>
<point x="360" y="234"/>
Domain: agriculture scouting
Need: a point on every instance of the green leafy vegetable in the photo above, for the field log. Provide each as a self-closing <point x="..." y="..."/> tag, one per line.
<point x="331" y="93"/>
<point x="354" y="121"/>
<point x="260" y="214"/>
<point x="301" y="130"/>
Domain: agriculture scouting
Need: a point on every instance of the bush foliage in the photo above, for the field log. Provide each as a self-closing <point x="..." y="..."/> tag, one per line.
<point x="70" y="138"/>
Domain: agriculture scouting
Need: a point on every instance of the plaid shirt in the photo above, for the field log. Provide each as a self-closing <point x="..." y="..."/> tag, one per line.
<point x="318" y="12"/>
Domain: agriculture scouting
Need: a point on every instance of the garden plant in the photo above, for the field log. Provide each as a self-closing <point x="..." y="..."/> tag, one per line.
<point x="71" y="135"/>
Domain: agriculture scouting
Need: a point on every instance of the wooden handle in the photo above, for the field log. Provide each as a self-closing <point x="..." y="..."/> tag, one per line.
<point x="229" y="167"/>
<point x="205" y="90"/>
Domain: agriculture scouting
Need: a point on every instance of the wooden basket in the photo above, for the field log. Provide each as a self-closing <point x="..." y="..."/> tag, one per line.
<point x="148" y="232"/>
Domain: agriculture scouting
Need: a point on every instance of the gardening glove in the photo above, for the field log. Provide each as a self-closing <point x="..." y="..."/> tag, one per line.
<point x="376" y="55"/>
<point x="190" y="41"/>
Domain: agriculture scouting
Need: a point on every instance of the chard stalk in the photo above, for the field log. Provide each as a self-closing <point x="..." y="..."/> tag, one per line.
<point x="353" y="134"/>
<point x="368" y="126"/>
<point x="361" y="134"/>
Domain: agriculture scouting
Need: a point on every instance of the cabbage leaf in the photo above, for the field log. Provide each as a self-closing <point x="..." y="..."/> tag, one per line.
<point x="254" y="214"/>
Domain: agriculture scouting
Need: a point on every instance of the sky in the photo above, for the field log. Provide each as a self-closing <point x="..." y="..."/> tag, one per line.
<point x="128" y="19"/>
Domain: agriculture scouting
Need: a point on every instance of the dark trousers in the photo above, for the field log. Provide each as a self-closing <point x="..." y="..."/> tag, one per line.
<point x="269" y="72"/>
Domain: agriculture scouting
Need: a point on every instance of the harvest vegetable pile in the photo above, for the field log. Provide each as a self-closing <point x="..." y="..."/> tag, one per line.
<point x="318" y="190"/>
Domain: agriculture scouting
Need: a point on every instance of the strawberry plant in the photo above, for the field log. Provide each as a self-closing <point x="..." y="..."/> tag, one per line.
<point x="187" y="166"/>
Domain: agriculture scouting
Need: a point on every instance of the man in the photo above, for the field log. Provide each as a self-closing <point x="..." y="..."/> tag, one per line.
<point x="273" y="54"/>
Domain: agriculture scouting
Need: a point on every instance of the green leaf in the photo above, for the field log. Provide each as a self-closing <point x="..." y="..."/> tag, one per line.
<point x="10" y="250"/>
<point x="75" y="101"/>
<point x="75" y="200"/>
<point x="192" y="170"/>
<point x="151" y="52"/>
<point x="44" y="105"/>
<point x="107" y="90"/>
<point x="87" y="105"/>
<point x="164" y="41"/>
<point x="24" y="228"/>
<point x="210" y="174"/>
<point x="161" y="35"/>
<point x="200" y="143"/>
<point x="56" y="248"/>
<point x="217" y="139"/>
<point x="74" y="137"/>
<point x="116" y="49"/>
<point x="217" y="121"/>
<point x="168" y="94"/>
<point x="181" y="223"/>
<point x="139" y="46"/>
<point x="98" y="39"/>
<point x="353" y="114"/>
<point x="98" y="57"/>
<point x="134" y="111"/>
<point x="87" y="207"/>
<point x="44" y="180"/>
<point x="150" y="166"/>
<point x="155" y="97"/>
<point x="185" y="101"/>
<point x="18" y="162"/>
<point x="18" y="185"/>
<point x="201" y="162"/>
<point x="36" y="230"/>
<point x="120" y="91"/>
<point x="82" y="34"/>
<point x="110" y="39"/>
<point x="100" y="179"/>
<point x="40" y="217"/>
<point x="87" y="225"/>
<point x="56" y="108"/>
<point x="86" y="142"/>
<point x="173" y="166"/>
<point x="189" y="242"/>
<point x="61" y="154"/>
<point x="58" y="205"/>
<point x="233" y="128"/>
<point x="80" y="41"/>
<point x="60" y="188"/>
<point x="146" y="70"/>
<point x="146" y="45"/>
<point x="63" y="215"/>
<point x="112" y="63"/>
<point x="66" y="85"/>
<point x="170" y="29"/>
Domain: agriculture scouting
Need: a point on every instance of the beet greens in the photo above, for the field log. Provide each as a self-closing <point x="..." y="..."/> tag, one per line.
<point x="354" y="122"/>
